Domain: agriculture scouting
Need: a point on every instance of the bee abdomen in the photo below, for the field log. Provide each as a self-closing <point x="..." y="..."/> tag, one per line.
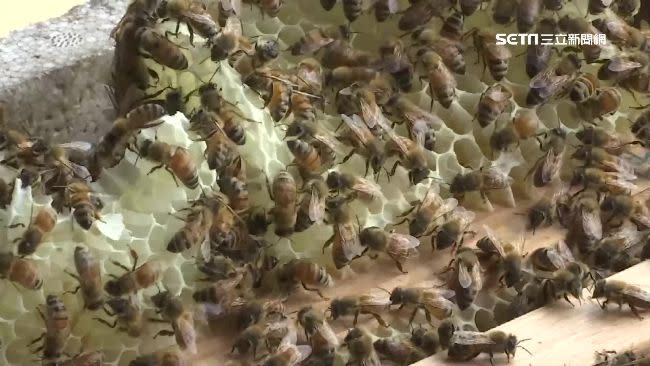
<point x="498" y="69"/>
<point x="236" y="133"/>
<point x="352" y="9"/>
<point x="144" y="113"/>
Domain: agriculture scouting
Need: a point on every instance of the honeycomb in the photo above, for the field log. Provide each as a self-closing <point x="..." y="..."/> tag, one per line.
<point x="138" y="205"/>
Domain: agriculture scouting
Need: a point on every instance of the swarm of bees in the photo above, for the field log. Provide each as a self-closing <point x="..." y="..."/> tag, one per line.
<point x="234" y="238"/>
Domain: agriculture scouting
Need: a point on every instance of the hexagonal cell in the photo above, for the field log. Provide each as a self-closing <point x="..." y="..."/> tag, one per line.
<point x="468" y="153"/>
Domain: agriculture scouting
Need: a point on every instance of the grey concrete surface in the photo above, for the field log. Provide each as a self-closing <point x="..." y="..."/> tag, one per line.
<point x="54" y="73"/>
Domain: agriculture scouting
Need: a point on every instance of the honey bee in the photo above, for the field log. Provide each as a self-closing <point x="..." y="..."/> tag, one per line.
<point x="347" y="183"/>
<point x="306" y="273"/>
<point x="548" y="166"/>
<point x="410" y="155"/>
<point x="426" y="339"/>
<point x="6" y="193"/>
<point x="527" y="14"/>
<point x="285" y="195"/>
<point x="509" y="257"/>
<point x="434" y="302"/>
<point x="537" y="59"/>
<point x="621" y="292"/>
<point x="599" y="158"/>
<point x="42" y="224"/>
<point x="583" y="221"/>
<point x="466" y="345"/>
<point x="360" y="345"/>
<point x="483" y="180"/>
<point x="172" y="310"/>
<point x="622" y="68"/>
<point x="618" y="31"/>
<point x="194" y="14"/>
<point x="397" y="246"/>
<point x="347" y="245"/>
<point x="228" y="40"/>
<point x="606" y="101"/>
<point x="175" y="159"/>
<point x="602" y="181"/>
<point x="314" y="149"/>
<point x="546" y="85"/>
<point x="83" y="202"/>
<point x="312" y="205"/>
<point x="89" y="277"/>
<point x="318" y="331"/>
<point x="524" y="125"/>
<point x="420" y="12"/>
<point x="135" y="278"/>
<point x="328" y="4"/>
<point x="197" y="225"/>
<point x="363" y="142"/>
<point x="421" y="124"/>
<point x="160" y="49"/>
<point x="452" y="26"/>
<point x="127" y="313"/>
<point x="370" y="303"/>
<point x="614" y="257"/>
<point x="95" y="358"/>
<point x="544" y="212"/>
<point x="160" y="358"/>
<point x="467" y="280"/>
<point x="598" y="6"/>
<point x="442" y="84"/>
<point x="494" y="101"/>
<point x="111" y="147"/>
<point x="220" y="152"/>
<point x="599" y="137"/>
<point x="223" y="231"/>
<point x="427" y="211"/>
<point x="57" y="329"/>
<point x="452" y="232"/>
<point x="450" y="51"/>
<point x="395" y="62"/>
<point x="280" y="100"/>
<point x="399" y="350"/>
<point x="504" y="10"/>
<point x="385" y="8"/>
<point x="565" y="281"/>
<point x="273" y="334"/>
<point x="580" y="25"/>
<point x="232" y="119"/>
<point x="20" y="270"/>
<point x="496" y="57"/>
<point x="347" y="75"/>
<point x="626" y="8"/>
<point x="617" y="208"/>
<point x="318" y="38"/>
<point x="583" y="87"/>
<point x="288" y="355"/>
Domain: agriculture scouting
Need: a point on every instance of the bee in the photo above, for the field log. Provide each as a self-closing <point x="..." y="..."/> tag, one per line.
<point x="427" y="210"/>
<point x="426" y="339"/>
<point x="640" y="128"/>
<point x="544" y="212"/>
<point x="194" y="14"/>
<point x="527" y="14"/>
<point x="362" y="351"/>
<point x="83" y="202"/>
<point x="445" y="331"/>
<point x="606" y="101"/>
<point x="553" y="5"/>
<point x="42" y="224"/>
<point x="175" y="159"/>
<point x="280" y="101"/>
<point x="227" y="9"/>
<point x="370" y="303"/>
<point x="127" y="313"/>
<point x="363" y="142"/>
<point x="396" y="63"/>
<point x="328" y="4"/>
<point x="347" y="183"/>
<point x="538" y="56"/>
<point x="160" y="49"/>
<point x="547" y="167"/>
<point x="95" y="358"/>
<point x="524" y="125"/>
<point x="496" y="57"/>
<point x="545" y="86"/>
<point x="285" y="195"/>
<point x="220" y="152"/>
<point x="352" y="9"/>
<point x="6" y="194"/>
<point x="565" y="281"/>
<point x="399" y="350"/>
<point x="616" y="208"/>
<point x="618" y="31"/>
<point x="467" y="280"/>
<point x="509" y="257"/>
<point x="270" y="7"/>
<point x="434" y="302"/>
<point x="306" y="273"/>
<point x="494" y="101"/>
<point x="288" y="355"/>
<point x="347" y="245"/>
<point x="57" y="329"/>
<point x="20" y="270"/>
<point x="583" y="87"/>
<point x="347" y="75"/>
<point x="598" y="6"/>
<point x="626" y="8"/>
<point x="223" y="231"/>
<point x="622" y="292"/>
<point x="410" y="155"/>
<point x="160" y="358"/>
<point x="504" y="10"/>
<point x="135" y="278"/>
<point x="579" y="25"/>
<point x="602" y="181"/>
<point x="452" y="27"/>
<point x="482" y="180"/>
<point x="89" y="277"/>
<point x="197" y="225"/>
<point x="397" y="246"/>
<point x="111" y="147"/>
<point x="317" y="38"/>
<point x="450" y="51"/>
<point x="421" y="124"/>
<point x="442" y="84"/>
<point x="611" y="256"/>
<point x="228" y="40"/>
<point x="599" y="137"/>
<point x="583" y="221"/>
<point x="420" y="12"/>
<point x="622" y="68"/>
<point x="452" y="232"/>
<point x="273" y="334"/>
<point x="466" y="345"/>
<point x="172" y="310"/>
<point x="232" y="119"/>
<point x="599" y="158"/>
<point x="314" y="149"/>
<point x="385" y="8"/>
<point x="312" y="205"/>
<point x="318" y="331"/>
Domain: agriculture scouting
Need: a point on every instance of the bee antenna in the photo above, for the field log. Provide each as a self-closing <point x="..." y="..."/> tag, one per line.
<point x="524" y="348"/>
<point x="523" y="340"/>
<point x="383" y="289"/>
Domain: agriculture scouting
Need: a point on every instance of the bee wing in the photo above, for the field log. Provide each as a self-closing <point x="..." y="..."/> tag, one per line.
<point x="327" y="333"/>
<point x="328" y="139"/>
<point x="636" y="292"/>
<point x="400" y="246"/>
<point x="302" y="352"/>
<point x="291" y="337"/>
<point x="372" y="114"/>
<point x="616" y="28"/>
<point x="464" y="277"/>
<point x="185" y="333"/>
<point x="620" y="64"/>
<point x="204" y="248"/>
<point x="550" y="166"/>
<point x="591" y="223"/>
<point x="375" y="297"/>
<point x="316" y="207"/>
<point x="77" y="145"/>
<point x="422" y="120"/>
<point x="497" y="52"/>
<point x="464" y="215"/>
<point x="494" y="178"/>
<point x="620" y="180"/>
<point x="627" y="236"/>
<point x="234" y="5"/>
<point x="350" y="242"/>
<point x="496" y="245"/>
<point x="368" y="187"/>
<point x="548" y="82"/>
<point x="470" y="338"/>
<point x="233" y="26"/>
<point x="435" y="300"/>
<point x="358" y="127"/>
<point x="564" y="252"/>
<point x="477" y="277"/>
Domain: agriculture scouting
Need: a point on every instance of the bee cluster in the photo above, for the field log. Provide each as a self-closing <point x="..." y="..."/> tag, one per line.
<point x="308" y="142"/>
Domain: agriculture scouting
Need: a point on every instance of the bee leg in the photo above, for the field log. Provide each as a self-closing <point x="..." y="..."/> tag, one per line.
<point x="155" y="168"/>
<point x="492" y="358"/>
<point x="164" y="332"/>
<point x="347" y="157"/>
<point x="415" y="311"/>
<point x="173" y="175"/>
<point x="604" y="304"/>
<point x="16" y="225"/>
<point x="328" y="243"/>
<point x="392" y="171"/>
<point x="121" y="265"/>
<point x="103" y="321"/>
<point x="356" y="317"/>
<point x="314" y="290"/>
<point x="635" y="311"/>
<point x="379" y="319"/>
<point x="34" y="341"/>
<point x="566" y="297"/>
<point x="108" y="312"/>
<point x="74" y="292"/>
